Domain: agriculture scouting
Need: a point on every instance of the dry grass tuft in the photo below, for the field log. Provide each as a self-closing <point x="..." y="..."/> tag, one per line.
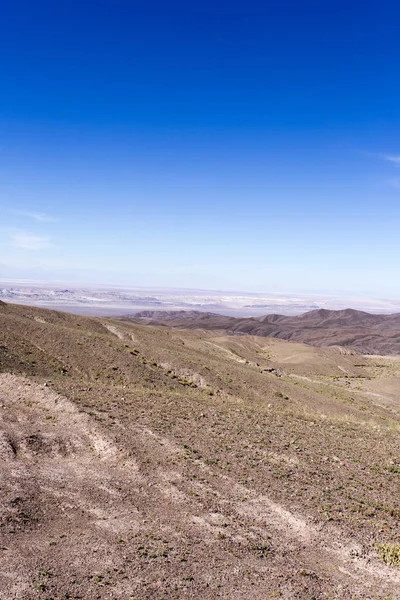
<point x="390" y="554"/>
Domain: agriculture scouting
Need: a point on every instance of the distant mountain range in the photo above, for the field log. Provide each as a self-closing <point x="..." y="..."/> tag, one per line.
<point x="367" y="333"/>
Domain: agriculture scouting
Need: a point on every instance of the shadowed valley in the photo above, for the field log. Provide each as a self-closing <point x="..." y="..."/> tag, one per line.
<point x="362" y="331"/>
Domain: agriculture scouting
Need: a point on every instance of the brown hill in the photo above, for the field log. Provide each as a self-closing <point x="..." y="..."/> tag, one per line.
<point x="151" y="462"/>
<point x="367" y="333"/>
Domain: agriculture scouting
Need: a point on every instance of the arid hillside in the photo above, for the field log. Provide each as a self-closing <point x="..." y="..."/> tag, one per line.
<point x="148" y="463"/>
<point x="367" y="333"/>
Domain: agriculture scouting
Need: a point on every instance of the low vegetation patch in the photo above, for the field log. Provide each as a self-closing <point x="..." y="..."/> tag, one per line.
<point x="390" y="554"/>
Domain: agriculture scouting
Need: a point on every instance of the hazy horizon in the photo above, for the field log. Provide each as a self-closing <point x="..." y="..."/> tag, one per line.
<point x="116" y="300"/>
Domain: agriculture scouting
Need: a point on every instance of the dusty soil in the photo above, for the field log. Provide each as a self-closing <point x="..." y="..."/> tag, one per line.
<point x="148" y="463"/>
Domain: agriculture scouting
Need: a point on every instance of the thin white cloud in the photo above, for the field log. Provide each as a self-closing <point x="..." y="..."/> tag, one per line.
<point x="38" y="216"/>
<point x="392" y="158"/>
<point x="29" y="241"/>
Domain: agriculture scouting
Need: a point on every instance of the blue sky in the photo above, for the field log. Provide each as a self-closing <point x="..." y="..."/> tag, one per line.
<point x="226" y="145"/>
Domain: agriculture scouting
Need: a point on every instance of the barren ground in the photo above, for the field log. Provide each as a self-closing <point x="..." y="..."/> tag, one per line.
<point x="149" y="463"/>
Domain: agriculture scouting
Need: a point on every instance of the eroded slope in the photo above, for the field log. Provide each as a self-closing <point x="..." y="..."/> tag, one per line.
<point x="141" y="462"/>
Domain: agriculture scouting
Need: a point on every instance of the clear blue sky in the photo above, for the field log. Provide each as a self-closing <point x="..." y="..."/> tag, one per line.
<point x="226" y="145"/>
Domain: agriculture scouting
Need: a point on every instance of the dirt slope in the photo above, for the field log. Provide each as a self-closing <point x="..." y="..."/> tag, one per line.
<point x="144" y="462"/>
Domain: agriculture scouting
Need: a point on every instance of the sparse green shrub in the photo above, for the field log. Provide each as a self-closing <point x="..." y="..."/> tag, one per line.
<point x="280" y="395"/>
<point x="394" y="469"/>
<point x="186" y="382"/>
<point x="262" y="549"/>
<point x="326" y="509"/>
<point x="390" y="554"/>
<point x="44" y="573"/>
